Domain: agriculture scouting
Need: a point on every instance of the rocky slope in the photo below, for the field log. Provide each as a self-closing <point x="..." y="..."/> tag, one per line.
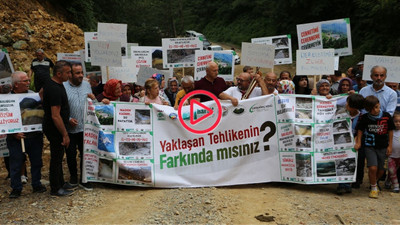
<point x="25" y="26"/>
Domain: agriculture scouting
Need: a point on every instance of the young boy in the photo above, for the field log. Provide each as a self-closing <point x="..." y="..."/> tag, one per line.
<point x="375" y="134"/>
<point x="354" y="103"/>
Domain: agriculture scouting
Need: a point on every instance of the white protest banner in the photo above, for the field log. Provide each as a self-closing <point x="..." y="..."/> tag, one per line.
<point x="315" y="62"/>
<point x="180" y="52"/>
<point x="283" y="47"/>
<point x="20" y="113"/>
<point x="202" y="58"/>
<point x="70" y="57"/>
<point x="6" y="68"/>
<point x="291" y="138"/>
<point x="114" y="32"/>
<point x="89" y="36"/>
<point x="260" y="55"/>
<point x="3" y="146"/>
<point x="125" y="73"/>
<point x="326" y="34"/>
<point x="105" y="53"/>
<point x="226" y="64"/>
<point x="391" y="63"/>
<point x="143" y="56"/>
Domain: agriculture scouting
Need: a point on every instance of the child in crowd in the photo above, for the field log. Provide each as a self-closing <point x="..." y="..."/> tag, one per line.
<point x="354" y="104"/>
<point x="394" y="158"/>
<point x="375" y="134"/>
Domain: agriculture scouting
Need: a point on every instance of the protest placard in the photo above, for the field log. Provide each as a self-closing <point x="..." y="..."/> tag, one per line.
<point x="130" y="45"/>
<point x="114" y="32"/>
<point x="105" y="53"/>
<point x="150" y="56"/>
<point x="315" y="62"/>
<point x="259" y="55"/>
<point x="6" y="69"/>
<point x="180" y="52"/>
<point x="391" y="63"/>
<point x="146" y="72"/>
<point x="283" y="47"/>
<point x="326" y="34"/>
<point x="202" y="58"/>
<point x="291" y="138"/>
<point x="70" y="57"/>
<point x="20" y="113"/>
<point x="126" y="72"/>
<point x="89" y="36"/>
<point x="3" y="146"/>
<point x="226" y="64"/>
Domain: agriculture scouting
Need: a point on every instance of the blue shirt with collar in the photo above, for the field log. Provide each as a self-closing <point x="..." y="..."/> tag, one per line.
<point x="76" y="99"/>
<point x="387" y="97"/>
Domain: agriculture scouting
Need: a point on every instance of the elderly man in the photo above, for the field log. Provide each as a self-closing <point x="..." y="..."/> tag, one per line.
<point x="56" y="119"/>
<point x="212" y="83"/>
<point x="243" y="84"/>
<point x="387" y="97"/>
<point x="271" y="80"/>
<point x="41" y="68"/>
<point x="77" y="91"/>
<point x="33" y="143"/>
<point x="388" y="101"/>
<point x="187" y="84"/>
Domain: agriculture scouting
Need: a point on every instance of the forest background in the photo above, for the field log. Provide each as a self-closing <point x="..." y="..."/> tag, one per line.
<point x="374" y="23"/>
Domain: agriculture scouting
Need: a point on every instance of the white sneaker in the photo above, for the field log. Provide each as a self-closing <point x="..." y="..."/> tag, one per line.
<point x="24" y="179"/>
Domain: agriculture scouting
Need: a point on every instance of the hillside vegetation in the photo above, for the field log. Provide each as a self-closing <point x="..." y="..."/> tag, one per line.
<point x="374" y="23"/>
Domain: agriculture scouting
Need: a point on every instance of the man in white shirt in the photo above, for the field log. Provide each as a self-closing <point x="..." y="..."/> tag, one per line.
<point x="243" y="84"/>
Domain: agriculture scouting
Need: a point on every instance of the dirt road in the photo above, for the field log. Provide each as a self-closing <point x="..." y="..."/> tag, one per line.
<point x="281" y="203"/>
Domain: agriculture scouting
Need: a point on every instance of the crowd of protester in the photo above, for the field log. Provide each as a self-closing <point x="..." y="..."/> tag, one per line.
<point x="368" y="104"/>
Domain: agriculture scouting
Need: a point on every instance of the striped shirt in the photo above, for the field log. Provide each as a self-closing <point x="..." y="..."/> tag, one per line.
<point x="76" y="99"/>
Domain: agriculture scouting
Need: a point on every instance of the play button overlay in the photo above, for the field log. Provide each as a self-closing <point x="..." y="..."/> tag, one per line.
<point x="194" y="120"/>
<point x="200" y="118"/>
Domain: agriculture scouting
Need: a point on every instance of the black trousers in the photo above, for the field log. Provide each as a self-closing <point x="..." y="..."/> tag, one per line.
<point x="56" y="158"/>
<point x="76" y="141"/>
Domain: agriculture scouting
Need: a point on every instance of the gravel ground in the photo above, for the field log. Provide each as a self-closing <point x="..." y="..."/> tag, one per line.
<point x="274" y="203"/>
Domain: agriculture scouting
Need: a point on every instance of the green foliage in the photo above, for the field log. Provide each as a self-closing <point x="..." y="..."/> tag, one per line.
<point x="374" y="23"/>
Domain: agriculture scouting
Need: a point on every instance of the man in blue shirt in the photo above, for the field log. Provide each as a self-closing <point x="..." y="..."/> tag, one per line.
<point x="387" y="97"/>
<point x="77" y="91"/>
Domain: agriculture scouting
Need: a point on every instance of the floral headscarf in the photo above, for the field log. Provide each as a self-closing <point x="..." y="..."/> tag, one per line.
<point x="287" y="86"/>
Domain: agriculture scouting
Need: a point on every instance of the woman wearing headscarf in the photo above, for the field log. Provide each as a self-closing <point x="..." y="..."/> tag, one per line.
<point x="112" y="92"/>
<point x="301" y="85"/>
<point x="323" y="88"/>
<point x="172" y="89"/>
<point x="345" y="86"/>
<point x="286" y="87"/>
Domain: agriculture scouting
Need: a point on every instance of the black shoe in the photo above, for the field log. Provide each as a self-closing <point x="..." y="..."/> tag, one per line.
<point x="39" y="189"/>
<point x="340" y="191"/>
<point x="15" y="193"/>
<point x="68" y="186"/>
<point x="62" y="192"/>
<point x="86" y="186"/>
<point x="355" y="185"/>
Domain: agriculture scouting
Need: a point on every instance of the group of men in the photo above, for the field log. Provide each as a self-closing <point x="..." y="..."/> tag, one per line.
<point x="63" y="97"/>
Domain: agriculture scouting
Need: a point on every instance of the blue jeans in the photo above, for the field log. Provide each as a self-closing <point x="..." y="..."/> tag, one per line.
<point x="33" y="147"/>
<point x="344" y="185"/>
